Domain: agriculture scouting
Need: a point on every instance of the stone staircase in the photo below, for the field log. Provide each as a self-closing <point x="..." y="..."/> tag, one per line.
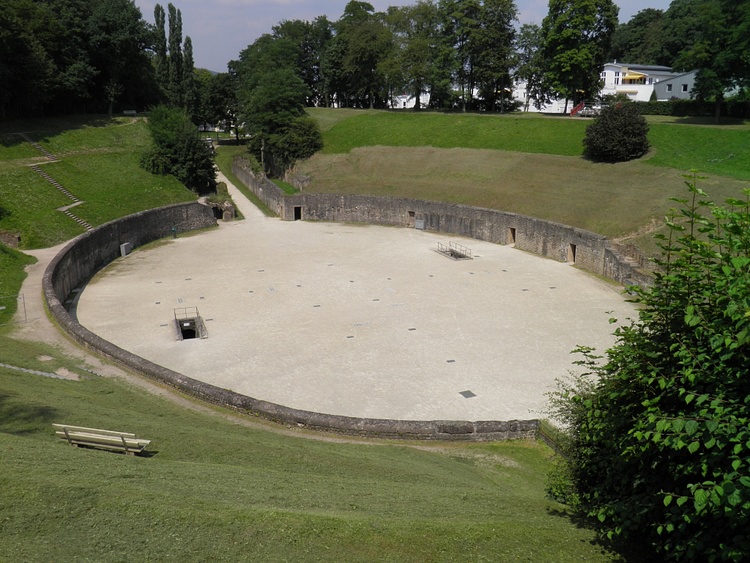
<point x="51" y="157"/>
<point x="66" y="209"/>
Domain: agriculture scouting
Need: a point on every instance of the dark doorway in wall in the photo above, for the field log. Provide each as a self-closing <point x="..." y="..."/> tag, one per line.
<point x="572" y="253"/>
<point x="512" y="236"/>
<point x="297" y="213"/>
<point x="411" y="218"/>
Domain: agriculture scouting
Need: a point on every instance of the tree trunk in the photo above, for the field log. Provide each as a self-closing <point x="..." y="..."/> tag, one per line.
<point x="717" y="109"/>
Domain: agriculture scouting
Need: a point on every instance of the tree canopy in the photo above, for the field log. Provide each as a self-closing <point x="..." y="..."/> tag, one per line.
<point x="577" y="35"/>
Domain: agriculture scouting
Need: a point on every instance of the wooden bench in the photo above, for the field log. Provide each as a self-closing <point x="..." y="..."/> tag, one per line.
<point x="102" y="439"/>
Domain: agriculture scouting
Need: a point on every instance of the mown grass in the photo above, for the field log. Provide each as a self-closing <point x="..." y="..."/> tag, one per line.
<point x="525" y="166"/>
<point x="98" y="164"/>
<point x="12" y="263"/>
<point x="511" y="132"/>
<point x="213" y="489"/>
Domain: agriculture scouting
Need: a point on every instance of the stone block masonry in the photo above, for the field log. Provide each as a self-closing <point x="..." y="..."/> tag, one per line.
<point x="588" y="251"/>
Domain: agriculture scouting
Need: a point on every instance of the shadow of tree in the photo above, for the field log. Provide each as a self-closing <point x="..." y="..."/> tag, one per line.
<point x="22" y="419"/>
<point x="615" y="549"/>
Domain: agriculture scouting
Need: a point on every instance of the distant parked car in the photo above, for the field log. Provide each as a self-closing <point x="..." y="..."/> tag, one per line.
<point x="590" y="111"/>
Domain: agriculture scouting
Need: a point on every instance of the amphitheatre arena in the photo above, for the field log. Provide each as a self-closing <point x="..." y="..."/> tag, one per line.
<point x="355" y="320"/>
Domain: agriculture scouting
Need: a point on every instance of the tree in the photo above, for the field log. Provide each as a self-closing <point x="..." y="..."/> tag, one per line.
<point x="619" y="133"/>
<point x="461" y="25"/>
<point x="577" y="37"/>
<point x="495" y="53"/>
<point x="413" y="62"/>
<point x="639" y="41"/>
<point x="175" y="61"/>
<point x="530" y="65"/>
<point x="311" y="40"/>
<point x="659" y="449"/>
<point x="271" y="99"/>
<point x="177" y="150"/>
<point x="718" y="49"/>
<point x="364" y="41"/>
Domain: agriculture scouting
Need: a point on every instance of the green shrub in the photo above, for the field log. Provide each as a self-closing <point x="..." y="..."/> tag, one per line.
<point x="660" y="447"/>
<point x="618" y="134"/>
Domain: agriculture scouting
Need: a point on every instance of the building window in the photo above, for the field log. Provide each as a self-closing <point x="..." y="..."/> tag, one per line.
<point x="617" y="77"/>
<point x="684" y="88"/>
<point x="669" y="87"/>
<point x="650" y="79"/>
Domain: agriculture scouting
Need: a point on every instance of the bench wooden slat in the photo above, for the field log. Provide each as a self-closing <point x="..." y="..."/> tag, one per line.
<point x="93" y="430"/>
<point x="86" y="437"/>
<point x="103" y="439"/>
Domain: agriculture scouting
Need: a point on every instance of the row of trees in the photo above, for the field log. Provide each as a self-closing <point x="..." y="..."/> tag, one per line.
<point x="466" y="53"/>
<point x="73" y="56"/>
<point x="459" y="52"/>
<point x="710" y="35"/>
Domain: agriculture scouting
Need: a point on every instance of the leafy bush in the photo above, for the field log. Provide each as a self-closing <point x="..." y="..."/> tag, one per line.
<point x="660" y="444"/>
<point x="178" y="150"/>
<point x="618" y="134"/>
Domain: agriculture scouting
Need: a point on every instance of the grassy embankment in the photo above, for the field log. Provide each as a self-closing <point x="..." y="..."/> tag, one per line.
<point x="216" y="490"/>
<point x="528" y="164"/>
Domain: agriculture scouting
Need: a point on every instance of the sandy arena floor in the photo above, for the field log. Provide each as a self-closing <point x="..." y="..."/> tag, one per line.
<point x="356" y="320"/>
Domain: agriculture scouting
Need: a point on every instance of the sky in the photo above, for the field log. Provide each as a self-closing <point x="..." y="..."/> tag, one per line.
<point x="221" y="29"/>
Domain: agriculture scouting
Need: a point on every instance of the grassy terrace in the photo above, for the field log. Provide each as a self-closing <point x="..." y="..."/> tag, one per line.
<point x="525" y="163"/>
<point x="226" y="487"/>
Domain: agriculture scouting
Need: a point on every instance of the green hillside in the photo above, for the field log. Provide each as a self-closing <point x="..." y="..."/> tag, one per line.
<point x="217" y="489"/>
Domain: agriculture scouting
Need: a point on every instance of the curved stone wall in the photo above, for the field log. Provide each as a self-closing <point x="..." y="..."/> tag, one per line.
<point x="80" y="259"/>
<point x="589" y="251"/>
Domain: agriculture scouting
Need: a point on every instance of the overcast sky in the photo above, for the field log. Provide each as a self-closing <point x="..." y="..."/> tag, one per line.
<point x="220" y="29"/>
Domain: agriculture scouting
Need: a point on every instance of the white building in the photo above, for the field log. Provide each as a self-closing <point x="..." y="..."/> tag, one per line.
<point x="637" y="82"/>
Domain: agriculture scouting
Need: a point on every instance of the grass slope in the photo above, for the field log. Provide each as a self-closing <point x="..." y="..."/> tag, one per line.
<point x="12" y="275"/>
<point x="523" y="164"/>
<point x="98" y="164"/>
<point x="213" y="489"/>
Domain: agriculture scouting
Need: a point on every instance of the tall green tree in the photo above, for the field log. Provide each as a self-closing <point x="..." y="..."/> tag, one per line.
<point x="530" y="65"/>
<point x="659" y="449"/>
<point x="311" y="40"/>
<point x="175" y="84"/>
<point x="271" y="98"/>
<point x="640" y="40"/>
<point x="161" y="62"/>
<point x="365" y="42"/>
<point x="177" y="150"/>
<point x="718" y="49"/>
<point x="461" y="25"/>
<point x="495" y="52"/>
<point x="414" y="59"/>
<point x="577" y="38"/>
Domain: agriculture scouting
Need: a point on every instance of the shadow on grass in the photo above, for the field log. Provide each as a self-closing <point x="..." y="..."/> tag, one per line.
<point x="40" y="128"/>
<point x="616" y="549"/>
<point x="710" y="120"/>
<point x="19" y="419"/>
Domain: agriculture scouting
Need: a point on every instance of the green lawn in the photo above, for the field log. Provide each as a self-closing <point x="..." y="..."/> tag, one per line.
<point x="525" y="163"/>
<point x="214" y="489"/>
<point x="98" y="164"/>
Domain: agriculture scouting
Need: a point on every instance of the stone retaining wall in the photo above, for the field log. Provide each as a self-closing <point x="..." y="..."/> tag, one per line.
<point x="80" y="259"/>
<point x="589" y="251"/>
